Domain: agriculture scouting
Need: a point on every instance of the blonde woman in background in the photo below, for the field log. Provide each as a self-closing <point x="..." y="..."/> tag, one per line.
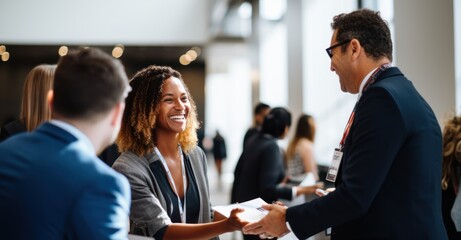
<point x="34" y="109"/>
<point x="300" y="152"/>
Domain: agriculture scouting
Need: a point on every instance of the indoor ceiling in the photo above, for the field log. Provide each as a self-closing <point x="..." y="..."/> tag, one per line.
<point x="155" y="54"/>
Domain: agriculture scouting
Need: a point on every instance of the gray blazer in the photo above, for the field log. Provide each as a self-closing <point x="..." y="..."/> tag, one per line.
<point x="148" y="204"/>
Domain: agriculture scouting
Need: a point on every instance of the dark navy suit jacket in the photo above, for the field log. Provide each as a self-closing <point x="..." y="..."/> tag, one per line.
<point x="388" y="185"/>
<point x="53" y="187"/>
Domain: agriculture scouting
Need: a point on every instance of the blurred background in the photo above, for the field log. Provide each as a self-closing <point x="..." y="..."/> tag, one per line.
<point x="235" y="53"/>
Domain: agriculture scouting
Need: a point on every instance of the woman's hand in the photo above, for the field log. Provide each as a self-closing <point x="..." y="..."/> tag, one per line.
<point x="217" y="216"/>
<point x="234" y="222"/>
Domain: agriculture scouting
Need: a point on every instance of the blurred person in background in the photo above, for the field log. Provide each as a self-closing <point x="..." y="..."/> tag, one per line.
<point x="259" y="171"/>
<point x="219" y="153"/>
<point x="300" y="151"/>
<point x="300" y="165"/>
<point x="259" y="112"/>
<point x="34" y="107"/>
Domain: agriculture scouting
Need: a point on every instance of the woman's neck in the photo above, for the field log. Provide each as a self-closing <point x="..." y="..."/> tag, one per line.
<point x="167" y="144"/>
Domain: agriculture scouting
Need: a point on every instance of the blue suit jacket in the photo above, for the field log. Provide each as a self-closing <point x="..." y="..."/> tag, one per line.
<point x="51" y="187"/>
<point x="388" y="185"/>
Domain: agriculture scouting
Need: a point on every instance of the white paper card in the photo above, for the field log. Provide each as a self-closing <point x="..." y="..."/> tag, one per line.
<point x="253" y="210"/>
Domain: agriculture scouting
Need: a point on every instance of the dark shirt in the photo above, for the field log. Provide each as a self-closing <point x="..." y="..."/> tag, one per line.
<point x="251" y="132"/>
<point x="192" y="195"/>
<point x="260" y="171"/>
<point x="109" y="155"/>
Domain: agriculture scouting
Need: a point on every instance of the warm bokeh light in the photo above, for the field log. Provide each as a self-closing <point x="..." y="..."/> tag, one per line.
<point x="5" y="56"/>
<point x="188" y="57"/>
<point x="183" y="60"/>
<point x="192" y="54"/>
<point x="2" y="49"/>
<point x="117" y="52"/>
<point x="63" y="51"/>
<point x="197" y="50"/>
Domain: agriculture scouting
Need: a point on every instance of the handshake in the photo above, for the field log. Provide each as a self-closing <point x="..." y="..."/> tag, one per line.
<point x="265" y="220"/>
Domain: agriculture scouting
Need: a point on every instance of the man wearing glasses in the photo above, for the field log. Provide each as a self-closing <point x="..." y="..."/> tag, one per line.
<point x="387" y="167"/>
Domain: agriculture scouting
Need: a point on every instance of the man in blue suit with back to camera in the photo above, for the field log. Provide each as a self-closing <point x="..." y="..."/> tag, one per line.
<point x="52" y="185"/>
<point x="387" y="168"/>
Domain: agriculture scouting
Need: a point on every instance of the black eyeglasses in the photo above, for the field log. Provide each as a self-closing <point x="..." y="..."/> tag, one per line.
<point x="330" y="49"/>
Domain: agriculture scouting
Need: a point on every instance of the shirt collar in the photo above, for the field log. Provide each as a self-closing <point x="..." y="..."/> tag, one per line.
<point x="364" y="81"/>
<point x="74" y="132"/>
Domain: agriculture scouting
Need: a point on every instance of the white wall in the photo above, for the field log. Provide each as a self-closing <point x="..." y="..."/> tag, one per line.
<point x="322" y="97"/>
<point x="228" y="93"/>
<point x="424" y="47"/>
<point x="130" y="22"/>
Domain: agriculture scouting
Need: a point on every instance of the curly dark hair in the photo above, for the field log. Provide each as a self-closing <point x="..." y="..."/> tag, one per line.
<point x="368" y="28"/>
<point x="451" y="152"/>
<point x="137" y="133"/>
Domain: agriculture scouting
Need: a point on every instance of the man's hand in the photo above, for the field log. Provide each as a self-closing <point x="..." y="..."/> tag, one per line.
<point x="308" y="189"/>
<point x="272" y="225"/>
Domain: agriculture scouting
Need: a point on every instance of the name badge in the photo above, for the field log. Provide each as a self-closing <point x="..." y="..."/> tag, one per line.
<point x="334" y="166"/>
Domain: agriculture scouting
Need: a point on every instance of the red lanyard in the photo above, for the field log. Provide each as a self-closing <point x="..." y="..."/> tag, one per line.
<point x="369" y="82"/>
<point x="346" y="130"/>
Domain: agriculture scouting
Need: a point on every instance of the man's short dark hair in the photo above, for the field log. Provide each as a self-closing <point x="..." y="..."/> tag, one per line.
<point x="88" y="82"/>
<point x="369" y="28"/>
<point x="260" y="107"/>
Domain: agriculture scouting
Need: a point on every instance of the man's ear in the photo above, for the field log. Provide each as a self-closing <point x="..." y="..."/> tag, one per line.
<point x="117" y="113"/>
<point x="356" y="48"/>
<point x="50" y="98"/>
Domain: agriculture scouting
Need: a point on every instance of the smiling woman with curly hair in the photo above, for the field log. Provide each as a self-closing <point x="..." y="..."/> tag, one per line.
<point x="160" y="158"/>
<point x="138" y="131"/>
